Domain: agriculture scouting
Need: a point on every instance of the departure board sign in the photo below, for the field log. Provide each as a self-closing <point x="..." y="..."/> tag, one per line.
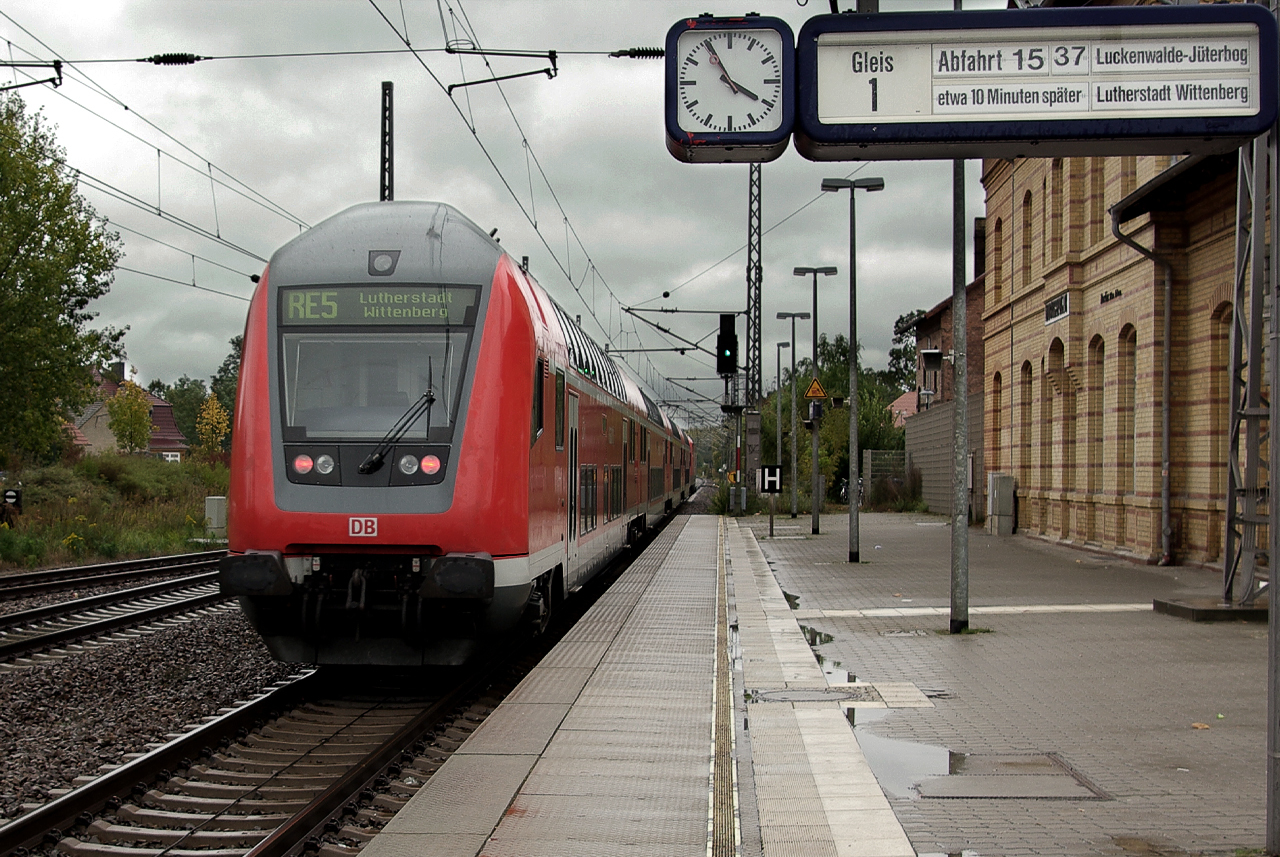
<point x="377" y="305"/>
<point x="1046" y="82"/>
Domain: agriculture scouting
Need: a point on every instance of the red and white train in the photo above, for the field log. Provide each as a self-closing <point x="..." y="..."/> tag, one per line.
<point x="428" y="451"/>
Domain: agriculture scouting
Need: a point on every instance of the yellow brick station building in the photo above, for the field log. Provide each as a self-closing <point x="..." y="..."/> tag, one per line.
<point x="1074" y="348"/>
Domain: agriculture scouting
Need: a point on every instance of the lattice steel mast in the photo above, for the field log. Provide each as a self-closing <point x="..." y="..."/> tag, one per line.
<point x="755" y="275"/>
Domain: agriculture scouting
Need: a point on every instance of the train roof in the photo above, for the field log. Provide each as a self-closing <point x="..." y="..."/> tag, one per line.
<point x="338" y="249"/>
<point x="595" y="363"/>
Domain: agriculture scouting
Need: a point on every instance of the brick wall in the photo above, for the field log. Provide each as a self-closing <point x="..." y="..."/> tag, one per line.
<point x="1075" y="404"/>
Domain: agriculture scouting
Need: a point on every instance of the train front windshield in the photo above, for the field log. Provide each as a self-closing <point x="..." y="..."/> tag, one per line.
<point x="356" y="381"/>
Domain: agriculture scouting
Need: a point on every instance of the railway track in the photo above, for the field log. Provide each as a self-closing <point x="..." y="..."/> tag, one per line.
<point x="308" y="767"/>
<point x="31" y="631"/>
<point x="299" y="763"/>
<point x="45" y="581"/>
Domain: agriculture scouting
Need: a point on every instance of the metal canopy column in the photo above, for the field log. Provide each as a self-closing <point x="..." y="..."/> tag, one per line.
<point x="1248" y="476"/>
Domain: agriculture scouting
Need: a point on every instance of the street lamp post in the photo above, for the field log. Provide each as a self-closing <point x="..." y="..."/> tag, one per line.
<point x="773" y="497"/>
<point x="793" y="316"/>
<point x="826" y="271"/>
<point x="867" y="184"/>
<point x="781" y="345"/>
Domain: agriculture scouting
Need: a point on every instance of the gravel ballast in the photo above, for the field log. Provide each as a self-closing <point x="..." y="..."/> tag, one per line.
<point x="64" y="718"/>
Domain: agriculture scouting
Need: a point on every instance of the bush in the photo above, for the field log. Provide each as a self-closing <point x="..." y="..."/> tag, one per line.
<point x="895" y="494"/>
<point x="110" y="506"/>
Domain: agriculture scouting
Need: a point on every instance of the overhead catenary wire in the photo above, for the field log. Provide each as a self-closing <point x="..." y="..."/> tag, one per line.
<point x="551" y="189"/>
<point x="181" y="283"/>
<point x="505" y="182"/>
<point x="72" y="72"/>
<point x="114" y="192"/>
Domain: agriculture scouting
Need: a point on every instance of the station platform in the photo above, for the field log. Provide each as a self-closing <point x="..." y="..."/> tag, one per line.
<point x="738" y="694"/>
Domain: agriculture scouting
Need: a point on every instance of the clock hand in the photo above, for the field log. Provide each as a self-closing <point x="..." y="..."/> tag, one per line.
<point x="737" y="87"/>
<point x="724" y="73"/>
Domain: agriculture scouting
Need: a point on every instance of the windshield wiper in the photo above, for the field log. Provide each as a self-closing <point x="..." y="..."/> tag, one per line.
<point x="400" y="429"/>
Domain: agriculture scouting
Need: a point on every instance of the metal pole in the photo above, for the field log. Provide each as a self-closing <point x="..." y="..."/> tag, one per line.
<point x="1273" y="511"/>
<point x="853" y="379"/>
<point x="794" y="466"/>
<point x="813" y="495"/>
<point x="778" y="353"/>
<point x="960" y="417"/>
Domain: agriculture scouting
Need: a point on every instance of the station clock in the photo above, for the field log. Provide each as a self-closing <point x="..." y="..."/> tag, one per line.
<point x="730" y="89"/>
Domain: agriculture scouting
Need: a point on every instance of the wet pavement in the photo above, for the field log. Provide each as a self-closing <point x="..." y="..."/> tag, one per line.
<point x="1074" y="720"/>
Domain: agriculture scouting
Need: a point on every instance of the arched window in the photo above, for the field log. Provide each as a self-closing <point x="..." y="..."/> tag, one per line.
<point x="997" y="414"/>
<point x="1058" y="210"/>
<point x="1027" y="227"/>
<point x="997" y="263"/>
<point x="1128" y="175"/>
<point x="1126" y="410"/>
<point x="1097" y="198"/>
<point x="1094" y="414"/>
<point x="1219" y="398"/>
<point x="1024" y="425"/>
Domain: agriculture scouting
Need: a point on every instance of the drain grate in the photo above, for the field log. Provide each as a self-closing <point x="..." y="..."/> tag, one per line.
<point x="857" y="693"/>
<point x="1042" y="776"/>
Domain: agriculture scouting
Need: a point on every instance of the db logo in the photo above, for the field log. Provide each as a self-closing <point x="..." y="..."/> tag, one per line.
<point x="367" y="527"/>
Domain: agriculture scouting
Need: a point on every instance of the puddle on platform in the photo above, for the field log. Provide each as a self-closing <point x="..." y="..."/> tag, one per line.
<point x="835" y="674"/>
<point x="898" y="765"/>
<point x="735" y="648"/>
<point x="814" y="636"/>
<point x="793" y="601"/>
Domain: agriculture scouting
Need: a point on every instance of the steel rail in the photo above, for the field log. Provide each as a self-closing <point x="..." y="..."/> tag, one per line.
<point x="289" y="838"/>
<point x="33" y="582"/>
<point x="23" y="617"/>
<point x="30" y="829"/>
<point x="103" y="626"/>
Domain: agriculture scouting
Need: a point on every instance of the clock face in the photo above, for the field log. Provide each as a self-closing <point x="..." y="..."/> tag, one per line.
<point x="730" y="81"/>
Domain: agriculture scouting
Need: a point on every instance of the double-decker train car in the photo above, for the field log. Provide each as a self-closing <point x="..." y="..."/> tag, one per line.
<point x="428" y="452"/>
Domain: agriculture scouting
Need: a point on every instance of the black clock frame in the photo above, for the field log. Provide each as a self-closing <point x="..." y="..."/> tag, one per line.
<point x="733" y="146"/>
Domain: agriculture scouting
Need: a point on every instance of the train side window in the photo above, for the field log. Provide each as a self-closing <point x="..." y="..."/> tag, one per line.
<point x="644" y="444"/>
<point x="539" y="393"/>
<point x="559" y="409"/>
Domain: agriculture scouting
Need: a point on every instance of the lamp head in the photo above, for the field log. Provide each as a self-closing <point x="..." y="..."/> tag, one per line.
<point x="836" y="184"/>
<point x="869" y="184"/>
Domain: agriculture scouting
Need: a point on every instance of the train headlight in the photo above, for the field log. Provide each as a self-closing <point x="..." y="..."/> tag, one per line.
<point x="430" y="465"/>
<point x="302" y="464"/>
<point x="408" y="465"/>
<point x="324" y="465"/>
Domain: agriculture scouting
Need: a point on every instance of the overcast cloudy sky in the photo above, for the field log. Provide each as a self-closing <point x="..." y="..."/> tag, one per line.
<point x="249" y="149"/>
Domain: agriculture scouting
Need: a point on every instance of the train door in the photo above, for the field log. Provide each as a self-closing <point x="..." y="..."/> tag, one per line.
<point x="626" y="460"/>
<point x="574" y="475"/>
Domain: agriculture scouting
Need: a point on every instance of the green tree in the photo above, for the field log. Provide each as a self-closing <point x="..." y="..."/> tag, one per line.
<point x="901" y="374"/>
<point x="224" y="382"/>
<point x="130" y="410"/>
<point x="56" y="257"/>
<point x="875" y="421"/>
<point x="187" y="395"/>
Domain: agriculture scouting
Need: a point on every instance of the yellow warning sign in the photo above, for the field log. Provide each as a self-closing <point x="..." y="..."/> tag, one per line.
<point x="815" y="391"/>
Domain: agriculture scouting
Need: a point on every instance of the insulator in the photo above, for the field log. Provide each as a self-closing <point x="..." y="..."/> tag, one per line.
<point x="640" y="53"/>
<point x="173" y="59"/>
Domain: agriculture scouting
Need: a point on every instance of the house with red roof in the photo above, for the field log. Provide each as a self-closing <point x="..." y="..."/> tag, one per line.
<point x="91" y="431"/>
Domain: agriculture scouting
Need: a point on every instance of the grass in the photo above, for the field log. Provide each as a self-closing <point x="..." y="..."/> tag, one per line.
<point x="106" y="507"/>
